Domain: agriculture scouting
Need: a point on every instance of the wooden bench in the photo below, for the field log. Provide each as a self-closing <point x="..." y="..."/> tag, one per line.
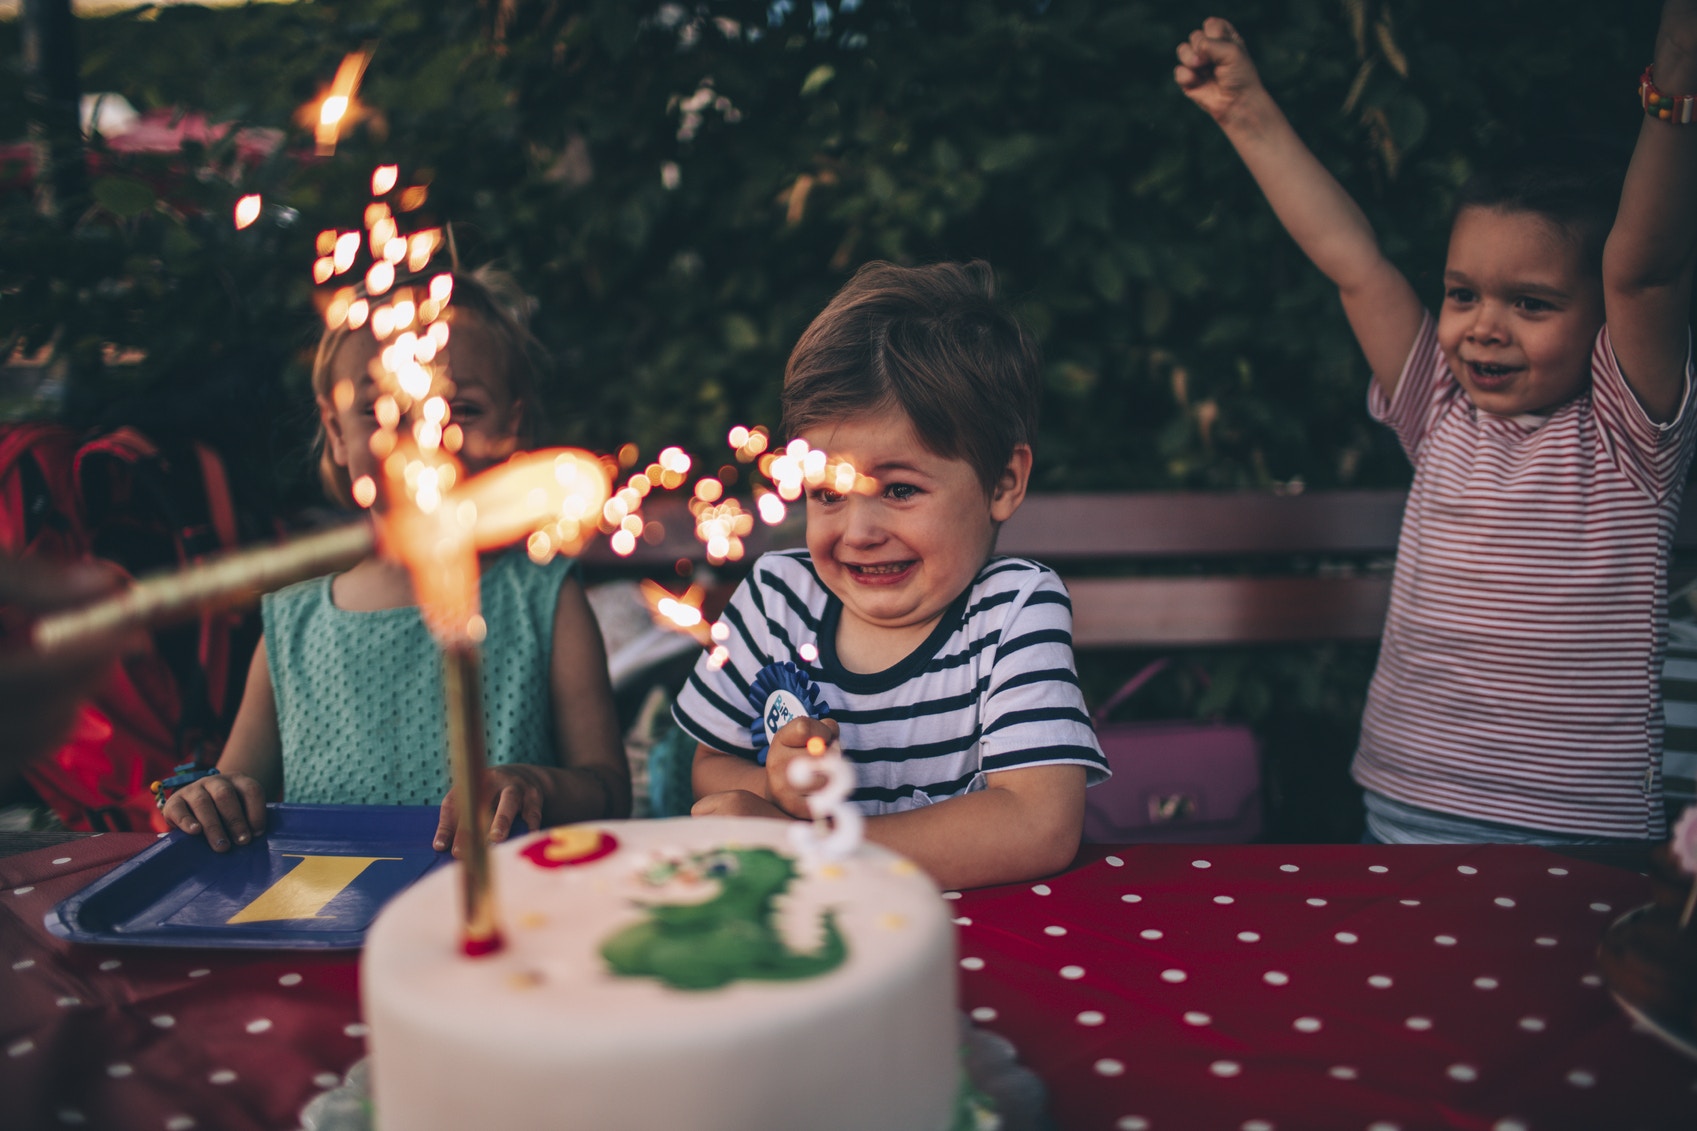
<point x="1208" y="568"/>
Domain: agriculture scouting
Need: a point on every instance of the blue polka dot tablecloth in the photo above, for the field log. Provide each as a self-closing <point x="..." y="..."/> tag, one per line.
<point x="1191" y="988"/>
<point x="1303" y="988"/>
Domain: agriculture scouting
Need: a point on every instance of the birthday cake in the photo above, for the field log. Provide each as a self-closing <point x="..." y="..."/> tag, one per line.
<point x="689" y="973"/>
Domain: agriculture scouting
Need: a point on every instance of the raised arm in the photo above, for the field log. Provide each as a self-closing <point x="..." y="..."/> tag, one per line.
<point x="1215" y="72"/>
<point x="1648" y="258"/>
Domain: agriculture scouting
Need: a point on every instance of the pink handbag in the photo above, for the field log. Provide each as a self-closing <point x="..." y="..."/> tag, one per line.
<point x="1174" y="782"/>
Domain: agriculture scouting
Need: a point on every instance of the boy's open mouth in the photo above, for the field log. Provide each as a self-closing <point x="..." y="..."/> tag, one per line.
<point x="1489" y="375"/>
<point x="879" y="572"/>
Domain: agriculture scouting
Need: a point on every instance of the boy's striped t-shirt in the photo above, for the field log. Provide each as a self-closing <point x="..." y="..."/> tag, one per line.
<point x="1519" y="670"/>
<point x="992" y="688"/>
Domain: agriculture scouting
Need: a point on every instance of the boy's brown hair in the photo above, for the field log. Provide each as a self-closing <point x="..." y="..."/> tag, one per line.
<point x="933" y="341"/>
<point x="495" y="299"/>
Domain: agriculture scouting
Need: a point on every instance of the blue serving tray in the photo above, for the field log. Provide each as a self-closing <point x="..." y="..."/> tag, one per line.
<point x="314" y="881"/>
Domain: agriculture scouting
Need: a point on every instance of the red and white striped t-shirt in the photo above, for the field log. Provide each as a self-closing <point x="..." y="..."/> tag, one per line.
<point x="1518" y="672"/>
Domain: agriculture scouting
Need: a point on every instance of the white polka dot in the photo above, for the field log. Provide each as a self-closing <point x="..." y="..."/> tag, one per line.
<point x="200" y="973"/>
<point x="289" y="980"/>
<point x="951" y="895"/>
<point x="1109" y="1067"/>
<point x="1041" y="889"/>
<point x="119" y="1071"/>
<point x="1225" y="1068"/>
<point x="1224" y="899"/>
<point x="1601" y="907"/>
<point x="1465" y="1073"/>
<point x="1409" y="902"/>
<point x="1113" y="861"/>
<point x="67" y="1002"/>
<point x="23" y="964"/>
<point x="1289" y="868"/>
<point x="62" y="860"/>
<point x="1255" y="1125"/>
<point x="1248" y="936"/>
<point x="1316" y="901"/>
<point x="1580" y="1078"/>
<point x="1377" y="868"/>
<point x="1197" y="1017"/>
<point x="1467" y="869"/>
<point x="1173" y="976"/>
<point x="222" y="1076"/>
<point x="1132" y="1123"/>
<point x="358" y="1029"/>
<point x="971" y="963"/>
<point x="1592" y="980"/>
<point x="1201" y="864"/>
<point x="961" y="921"/>
<point x="1503" y="901"/>
<point x="259" y="1025"/>
<point x="20" y="1048"/>
<point x="1129" y="898"/>
<point x="1444" y="940"/>
<point x="1558" y="871"/>
<point x="1149" y="933"/>
<point x="110" y="964"/>
<point x="1347" y="937"/>
<point x="23" y="890"/>
<point x="1532" y="1024"/>
<point x="1544" y="940"/>
<point x="1382" y="1125"/>
<point x="164" y="1020"/>
<point x="1276" y="978"/>
<point x="1091" y="1017"/>
<point x="1485" y="983"/>
<point x="1419" y="1024"/>
<point x="71" y="1115"/>
<point x="1055" y="932"/>
<point x="1306" y="1024"/>
<point x="1509" y="1125"/>
<point x="1342" y="1072"/>
<point x="1380" y="981"/>
<point x="326" y="1079"/>
<point x="1072" y="973"/>
<point x="180" y="1123"/>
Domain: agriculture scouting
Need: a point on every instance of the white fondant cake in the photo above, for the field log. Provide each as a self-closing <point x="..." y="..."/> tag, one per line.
<point x="805" y="1034"/>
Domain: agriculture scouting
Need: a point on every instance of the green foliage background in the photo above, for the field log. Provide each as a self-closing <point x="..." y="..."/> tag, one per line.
<point x="1187" y="342"/>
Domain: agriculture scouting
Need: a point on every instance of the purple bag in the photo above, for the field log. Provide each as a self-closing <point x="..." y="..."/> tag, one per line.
<point x="1174" y="782"/>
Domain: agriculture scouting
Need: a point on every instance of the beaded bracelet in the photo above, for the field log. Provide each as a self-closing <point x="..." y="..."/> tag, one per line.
<point x="1675" y="108"/>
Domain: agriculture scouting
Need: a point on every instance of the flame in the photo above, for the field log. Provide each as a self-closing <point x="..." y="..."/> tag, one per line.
<point x="339" y="102"/>
<point x="679" y="612"/>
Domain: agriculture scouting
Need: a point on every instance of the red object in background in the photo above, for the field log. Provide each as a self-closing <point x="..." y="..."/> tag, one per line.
<point x="154" y="132"/>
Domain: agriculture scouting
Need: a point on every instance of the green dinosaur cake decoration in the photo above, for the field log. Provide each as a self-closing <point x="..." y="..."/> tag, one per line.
<point x="730" y="937"/>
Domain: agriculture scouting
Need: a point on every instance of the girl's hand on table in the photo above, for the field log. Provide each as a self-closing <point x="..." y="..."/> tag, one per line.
<point x="225" y="807"/>
<point x="516" y="792"/>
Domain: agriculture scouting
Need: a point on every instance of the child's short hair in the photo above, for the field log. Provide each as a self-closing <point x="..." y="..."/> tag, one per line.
<point x="933" y="341"/>
<point x="504" y="309"/>
<point x="1573" y="182"/>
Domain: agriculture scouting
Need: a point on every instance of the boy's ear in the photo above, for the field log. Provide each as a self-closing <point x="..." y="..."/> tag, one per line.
<point x="333" y="439"/>
<point x="1008" y="492"/>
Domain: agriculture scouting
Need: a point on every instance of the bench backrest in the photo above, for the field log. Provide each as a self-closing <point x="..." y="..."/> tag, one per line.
<point x="1209" y="568"/>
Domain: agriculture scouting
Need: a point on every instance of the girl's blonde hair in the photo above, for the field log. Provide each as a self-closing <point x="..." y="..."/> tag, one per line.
<point x="504" y="309"/>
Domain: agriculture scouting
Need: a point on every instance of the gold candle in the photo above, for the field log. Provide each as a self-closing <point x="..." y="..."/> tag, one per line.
<point x="462" y="686"/>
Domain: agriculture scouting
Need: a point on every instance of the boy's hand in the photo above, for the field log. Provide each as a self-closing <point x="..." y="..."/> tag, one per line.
<point x="224" y="806"/>
<point x="735" y="803"/>
<point x="516" y="792"/>
<point x="789" y="744"/>
<point x="1214" y="69"/>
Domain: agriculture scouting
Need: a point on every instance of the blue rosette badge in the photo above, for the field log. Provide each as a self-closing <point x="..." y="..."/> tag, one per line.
<point x="779" y="693"/>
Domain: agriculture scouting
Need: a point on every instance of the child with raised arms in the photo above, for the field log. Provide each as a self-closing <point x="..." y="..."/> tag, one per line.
<point x="343" y="702"/>
<point x="947" y="672"/>
<point x="1546" y="409"/>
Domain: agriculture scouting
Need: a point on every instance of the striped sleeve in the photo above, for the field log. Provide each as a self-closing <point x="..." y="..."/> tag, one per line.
<point x="1653" y="456"/>
<point x="1421" y="391"/>
<point x="713" y="707"/>
<point x="1033" y="712"/>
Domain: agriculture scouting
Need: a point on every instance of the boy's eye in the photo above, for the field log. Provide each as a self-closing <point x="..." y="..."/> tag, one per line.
<point x="1534" y="305"/>
<point x="1459" y="294"/>
<point x="901" y="492"/>
<point x="824" y="495"/>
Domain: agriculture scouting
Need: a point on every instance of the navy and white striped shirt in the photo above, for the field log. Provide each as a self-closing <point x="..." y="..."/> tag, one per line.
<point x="992" y="688"/>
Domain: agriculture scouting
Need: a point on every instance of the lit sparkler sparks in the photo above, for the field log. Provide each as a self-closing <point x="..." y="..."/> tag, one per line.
<point x="681" y="613"/>
<point x="339" y="103"/>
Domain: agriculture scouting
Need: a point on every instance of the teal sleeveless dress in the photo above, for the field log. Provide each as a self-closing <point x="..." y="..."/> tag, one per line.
<point x="359" y="697"/>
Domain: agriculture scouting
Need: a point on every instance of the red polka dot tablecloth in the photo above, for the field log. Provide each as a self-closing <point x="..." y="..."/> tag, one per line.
<point x="1302" y="988"/>
<point x="1250" y="988"/>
